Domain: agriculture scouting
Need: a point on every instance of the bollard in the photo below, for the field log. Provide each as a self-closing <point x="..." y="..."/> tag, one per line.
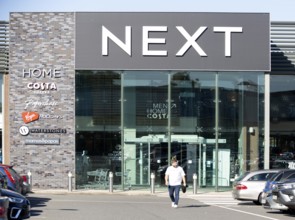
<point x="111" y="181"/>
<point x="152" y="183"/>
<point x="70" y="175"/>
<point x="30" y="181"/>
<point x="195" y="178"/>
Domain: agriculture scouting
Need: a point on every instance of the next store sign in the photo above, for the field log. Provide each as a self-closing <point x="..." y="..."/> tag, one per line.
<point x="191" y="41"/>
<point x="173" y="41"/>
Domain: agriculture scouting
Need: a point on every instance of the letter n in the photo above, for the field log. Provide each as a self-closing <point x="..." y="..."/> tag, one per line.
<point x="106" y="34"/>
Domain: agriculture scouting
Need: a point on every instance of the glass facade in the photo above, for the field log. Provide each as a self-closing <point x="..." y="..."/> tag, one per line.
<point x="282" y="121"/>
<point x="132" y="122"/>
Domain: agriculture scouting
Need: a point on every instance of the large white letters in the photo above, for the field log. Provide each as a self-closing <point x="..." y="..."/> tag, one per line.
<point x="41" y="73"/>
<point x="191" y="41"/>
<point x="228" y="31"/>
<point x="146" y="41"/>
<point x="107" y="34"/>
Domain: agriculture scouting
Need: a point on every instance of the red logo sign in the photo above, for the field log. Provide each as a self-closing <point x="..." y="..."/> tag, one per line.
<point x="30" y="116"/>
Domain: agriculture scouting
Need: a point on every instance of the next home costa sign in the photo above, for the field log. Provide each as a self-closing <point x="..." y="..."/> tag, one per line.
<point x="173" y="41"/>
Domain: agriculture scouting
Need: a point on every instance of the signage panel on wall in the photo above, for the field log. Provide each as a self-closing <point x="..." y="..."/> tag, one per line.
<point x="173" y="41"/>
<point x="42" y="141"/>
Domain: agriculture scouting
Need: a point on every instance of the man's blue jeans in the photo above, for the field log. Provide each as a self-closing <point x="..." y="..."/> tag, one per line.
<point x="174" y="193"/>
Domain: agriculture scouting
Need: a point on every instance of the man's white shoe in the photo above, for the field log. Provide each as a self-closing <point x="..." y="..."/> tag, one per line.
<point x="172" y="204"/>
<point x="175" y="206"/>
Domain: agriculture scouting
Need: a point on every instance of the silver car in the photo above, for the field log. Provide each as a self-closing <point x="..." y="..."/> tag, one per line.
<point x="249" y="186"/>
<point x="287" y="197"/>
<point x="282" y="180"/>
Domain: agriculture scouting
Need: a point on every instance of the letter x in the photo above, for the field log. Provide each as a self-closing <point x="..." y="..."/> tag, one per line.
<point x="191" y="41"/>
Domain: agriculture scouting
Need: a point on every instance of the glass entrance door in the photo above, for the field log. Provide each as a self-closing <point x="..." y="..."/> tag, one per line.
<point x="206" y="165"/>
<point x="145" y="121"/>
<point x="143" y="156"/>
<point x="149" y="154"/>
<point x="163" y="116"/>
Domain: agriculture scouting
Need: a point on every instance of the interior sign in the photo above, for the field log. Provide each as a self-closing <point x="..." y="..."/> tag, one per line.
<point x="159" y="111"/>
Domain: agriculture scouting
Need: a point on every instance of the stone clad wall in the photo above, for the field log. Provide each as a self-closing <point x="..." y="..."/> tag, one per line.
<point x="42" y="82"/>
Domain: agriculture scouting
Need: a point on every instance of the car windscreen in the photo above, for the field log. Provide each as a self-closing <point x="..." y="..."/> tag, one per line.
<point x="276" y="177"/>
<point x="290" y="176"/>
<point x="269" y="176"/>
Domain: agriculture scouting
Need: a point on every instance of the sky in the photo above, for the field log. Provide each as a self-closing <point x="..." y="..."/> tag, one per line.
<point x="280" y="10"/>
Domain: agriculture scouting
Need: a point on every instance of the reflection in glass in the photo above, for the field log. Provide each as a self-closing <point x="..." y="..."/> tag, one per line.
<point x="98" y="137"/>
<point x="132" y="122"/>
<point x="282" y="121"/>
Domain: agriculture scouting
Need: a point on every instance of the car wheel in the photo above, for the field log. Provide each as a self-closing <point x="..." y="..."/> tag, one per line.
<point x="259" y="201"/>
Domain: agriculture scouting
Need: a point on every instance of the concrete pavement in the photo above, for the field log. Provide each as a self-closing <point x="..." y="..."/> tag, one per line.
<point x="160" y="192"/>
<point x="141" y="204"/>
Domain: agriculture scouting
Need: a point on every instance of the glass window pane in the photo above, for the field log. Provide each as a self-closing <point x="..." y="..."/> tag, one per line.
<point x="241" y="117"/>
<point x="192" y="121"/>
<point x="145" y="125"/>
<point x="98" y="122"/>
<point x="282" y="121"/>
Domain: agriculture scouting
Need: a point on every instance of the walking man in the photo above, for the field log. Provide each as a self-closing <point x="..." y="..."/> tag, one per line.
<point x="173" y="177"/>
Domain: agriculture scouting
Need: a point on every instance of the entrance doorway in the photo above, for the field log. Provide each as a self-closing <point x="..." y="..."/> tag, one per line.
<point x="152" y="153"/>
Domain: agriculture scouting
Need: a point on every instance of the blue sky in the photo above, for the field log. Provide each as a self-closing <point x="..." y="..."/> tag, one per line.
<point x="280" y="10"/>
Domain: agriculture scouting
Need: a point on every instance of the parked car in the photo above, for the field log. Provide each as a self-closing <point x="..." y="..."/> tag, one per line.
<point x="19" y="206"/>
<point x="280" y="176"/>
<point x="26" y="187"/>
<point x="14" y="180"/>
<point x="271" y="184"/>
<point x="274" y="201"/>
<point x="249" y="186"/>
<point x="287" y="198"/>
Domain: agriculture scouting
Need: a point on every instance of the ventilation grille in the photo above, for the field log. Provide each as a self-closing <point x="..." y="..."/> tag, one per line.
<point x="282" y="37"/>
<point x="4" y="47"/>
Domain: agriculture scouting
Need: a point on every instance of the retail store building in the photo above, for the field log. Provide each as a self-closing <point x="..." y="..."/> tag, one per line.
<point x="93" y="93"/>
